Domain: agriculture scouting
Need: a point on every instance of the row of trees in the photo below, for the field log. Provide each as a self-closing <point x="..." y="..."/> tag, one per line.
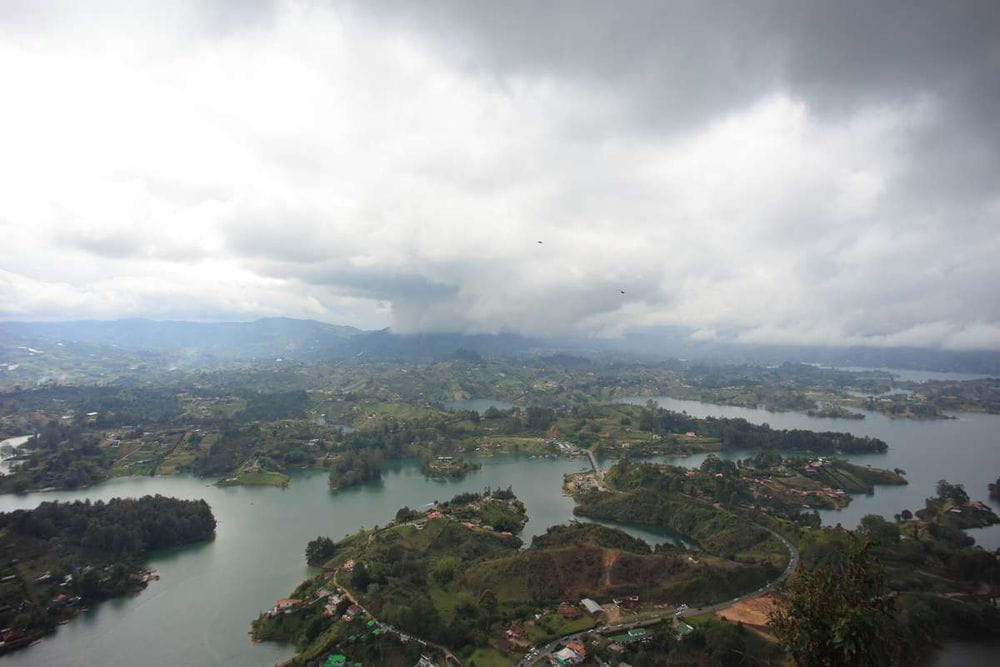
<point x="741" y="434"/>
<point x="122" y="527"/>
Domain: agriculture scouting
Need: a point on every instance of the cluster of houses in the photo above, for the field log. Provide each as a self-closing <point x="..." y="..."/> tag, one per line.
<point x="582" y="483"/>
<point x="813" y="466"/>
<point x="331" y="603"/>
<point x="472" y="523"/>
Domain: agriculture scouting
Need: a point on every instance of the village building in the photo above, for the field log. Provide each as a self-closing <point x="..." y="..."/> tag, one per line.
<point x="592" y="607"/>
<point x="569" y="610"/>
<point x="631" y="637"/>
<point x="285" y="605"/>
<point x="516" y="631"/>
<point x="566" y="656"/>
<point x="353" y="612"/>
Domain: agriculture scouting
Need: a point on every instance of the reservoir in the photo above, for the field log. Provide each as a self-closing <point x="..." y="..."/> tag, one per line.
<point x="965" y="450"/>
<point x="199" y="613"/>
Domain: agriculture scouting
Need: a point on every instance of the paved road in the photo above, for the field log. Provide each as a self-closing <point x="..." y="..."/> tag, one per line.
<point x="793" y="562"/>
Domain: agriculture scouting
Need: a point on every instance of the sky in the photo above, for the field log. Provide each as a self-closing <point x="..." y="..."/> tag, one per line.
<point x="771" y="171"/>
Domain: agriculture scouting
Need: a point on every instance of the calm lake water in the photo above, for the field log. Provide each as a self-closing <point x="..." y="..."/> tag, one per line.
<point x="480" y="405"/>
<point x="199" y="613"/>
<point x="964" y="450"/>
<point x="912" y="375"/>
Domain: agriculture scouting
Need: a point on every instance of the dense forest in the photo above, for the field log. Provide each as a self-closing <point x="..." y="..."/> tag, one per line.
<point x="122" y="527"/>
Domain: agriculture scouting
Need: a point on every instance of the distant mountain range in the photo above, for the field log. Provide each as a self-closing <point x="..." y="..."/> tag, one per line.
<point x="269" y="339"/>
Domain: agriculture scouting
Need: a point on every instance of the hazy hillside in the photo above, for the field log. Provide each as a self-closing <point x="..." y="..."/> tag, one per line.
<point x="178" y="343"/>
<point x="264" y="338"/>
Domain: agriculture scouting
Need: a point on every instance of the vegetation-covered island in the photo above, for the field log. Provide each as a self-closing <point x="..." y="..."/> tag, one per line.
<point x="60" y="558"/>
<point x="258" y="439"/>
<point x="453" y="583"/>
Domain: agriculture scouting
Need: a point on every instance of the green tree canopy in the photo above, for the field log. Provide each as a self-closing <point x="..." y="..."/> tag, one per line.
<point x="841" y="614"/>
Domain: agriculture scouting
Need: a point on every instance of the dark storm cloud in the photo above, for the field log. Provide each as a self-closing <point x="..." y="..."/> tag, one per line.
<point x="677" y="63"/>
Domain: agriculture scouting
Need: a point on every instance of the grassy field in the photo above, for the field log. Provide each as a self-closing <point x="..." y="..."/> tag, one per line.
<point x="551" y="626"/>
<point x="488" y="657"/>
<point x="257" y="478"/>
<point x="512" y="445"/>
<point x="399" y="411"/>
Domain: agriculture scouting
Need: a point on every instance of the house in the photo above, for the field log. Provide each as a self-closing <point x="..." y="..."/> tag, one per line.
<point x="631" y="602"/>
<point x="287" y="604"/>
<point x="568" y="610"/>
<point x="353" y="612"/>
<point x="577" y="648"/>
<point x="516" y="631"/>
<point x="566" y="656"/>
<point x="592" y="607"/>
<point x="630" y="637"/>
<point x="434" y="514"/>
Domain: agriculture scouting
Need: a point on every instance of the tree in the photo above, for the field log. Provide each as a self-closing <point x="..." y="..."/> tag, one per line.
<point x="319" y="551"/>
<point x="955" y="492"/>
<point x="841" y="614"/>
<point x="880" y="530"/>
<point x="360" y="577"/>
<point x="713" y="464"/>
<point x="539" y="418"/>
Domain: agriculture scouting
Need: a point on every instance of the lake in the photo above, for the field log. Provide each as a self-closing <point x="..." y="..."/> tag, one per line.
<point x="199" y="613"/>
<point x="965" y="450"/>
<point x="905" y="375"/>
<point x="479" y="405"/>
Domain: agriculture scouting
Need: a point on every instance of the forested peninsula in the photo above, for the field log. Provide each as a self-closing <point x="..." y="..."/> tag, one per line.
<point x="60" y="558"/>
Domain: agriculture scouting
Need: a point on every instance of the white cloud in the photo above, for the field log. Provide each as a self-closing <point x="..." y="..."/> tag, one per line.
<point x="318" y="163"/>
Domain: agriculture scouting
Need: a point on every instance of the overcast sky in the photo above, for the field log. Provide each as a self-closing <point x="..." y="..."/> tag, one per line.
<point x="787" y="172"/>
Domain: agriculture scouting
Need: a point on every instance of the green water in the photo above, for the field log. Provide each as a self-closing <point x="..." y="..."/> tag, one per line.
<point x="480" y="405"/>
<point x="199" y="613"/>
<point x="965" y="450"/>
